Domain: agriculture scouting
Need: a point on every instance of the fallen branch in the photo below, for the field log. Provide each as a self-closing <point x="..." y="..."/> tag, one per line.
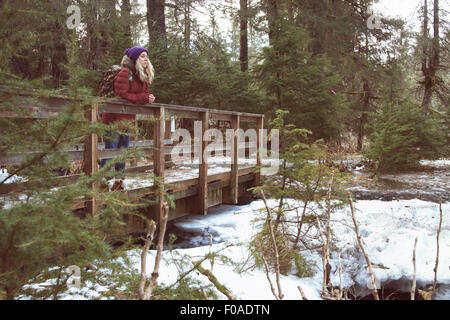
<point x="214" y="281"/>
<point x="413" y="288"/>
<point x="358" y="237"/>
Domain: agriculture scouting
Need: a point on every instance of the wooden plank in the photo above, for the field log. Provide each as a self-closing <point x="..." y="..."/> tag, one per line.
<point x="234" y="184"/>
<point x="220" y="116"/>
<point x="183" y="114"/>
<point x="127" y="108"/>
<point x="185" y="188"/>
<point x="203" y="167"/>
<point x="90" y="158"/>
<point x="259" y="132"/>
<point x="250" y="118"/>
<point x="36" y="114"/>
<point x="158" y="158"/>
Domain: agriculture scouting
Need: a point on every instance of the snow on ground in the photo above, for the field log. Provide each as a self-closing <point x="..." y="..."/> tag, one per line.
<point x="4" y="174"/>
<point x="442" y="163"/>
<point x="388" y="230"/>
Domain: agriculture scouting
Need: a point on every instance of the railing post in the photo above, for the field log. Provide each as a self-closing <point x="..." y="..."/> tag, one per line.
<point x="90" y="156"/>
<point x="259" y="143"/>
<point x="203" y="167"/>
<point x="234" y="183"/>
<point x="158" y="157"/>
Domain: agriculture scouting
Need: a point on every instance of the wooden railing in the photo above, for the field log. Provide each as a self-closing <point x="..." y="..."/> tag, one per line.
<point x="156" y="148"/>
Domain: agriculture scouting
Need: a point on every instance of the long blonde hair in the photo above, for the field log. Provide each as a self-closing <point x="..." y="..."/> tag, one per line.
<point x="145" y="74"/>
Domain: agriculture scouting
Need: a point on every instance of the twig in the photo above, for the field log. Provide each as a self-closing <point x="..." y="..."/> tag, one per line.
<point x="358" y="236"/>
<point x="437" y="247"/>
<point x="268" y="276"/>
<point x="148" y="242"/>
<point x="274" y="245"/>
<point x="413" y="288"/>
<point x="324" y="267"/>
<point x="302" y="293"/>
<point x="340" y="276"/>
<point x="145" y="295"/>
<point x="327" y="250"/>
<point x="210" y="247"/>
<point x="214" y="281"/>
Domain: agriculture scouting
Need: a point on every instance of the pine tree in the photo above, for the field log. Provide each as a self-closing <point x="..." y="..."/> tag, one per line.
<point x="301" y="83"/>
<point x="402" y="136"/>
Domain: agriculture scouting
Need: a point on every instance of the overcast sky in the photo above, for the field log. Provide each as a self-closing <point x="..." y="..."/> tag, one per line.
<point x="405" y="9"/>
<point x="409" y="10"/>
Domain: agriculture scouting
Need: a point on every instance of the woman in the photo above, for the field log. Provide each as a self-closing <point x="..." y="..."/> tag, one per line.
<point x="131" y="83"/>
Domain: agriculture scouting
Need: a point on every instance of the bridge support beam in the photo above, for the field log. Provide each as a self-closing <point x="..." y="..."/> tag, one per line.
<point x="259" y="143"/>
<point x="90" y="156"/>
<point x="158" y="159"/>
<point x="234" y="183"/>
<point x="203" y="167"/>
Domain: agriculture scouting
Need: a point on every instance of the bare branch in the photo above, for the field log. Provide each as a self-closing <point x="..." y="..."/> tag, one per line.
<point x="358" y="236"/>
<point x="302" y="293"/>
<point x="437" y="246"/>
<point x="274" y="245"/>
<point x="413" y="288"/>
<point x="214" y="281"/>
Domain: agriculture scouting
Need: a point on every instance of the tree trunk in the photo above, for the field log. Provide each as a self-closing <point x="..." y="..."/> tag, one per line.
<point x="272" y="17"/>
<point x="243" y="53"/>
<point x="363" y="118"/>
<point x="430" y="59"/>
<point x="92" y="62"/>
<point x="156" y="22"/>
<point x="126" y="15"/>
<point x="187" y="25"/>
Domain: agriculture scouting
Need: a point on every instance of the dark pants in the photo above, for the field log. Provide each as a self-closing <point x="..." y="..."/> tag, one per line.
<point x="114" y="140"/>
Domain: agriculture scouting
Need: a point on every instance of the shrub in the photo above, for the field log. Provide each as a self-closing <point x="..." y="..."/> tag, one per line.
<point x="402" y="136"/>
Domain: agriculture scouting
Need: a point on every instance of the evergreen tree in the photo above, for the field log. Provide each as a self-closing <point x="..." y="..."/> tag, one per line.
<point x="301" y="83"/>
<point x="402" y="136"/>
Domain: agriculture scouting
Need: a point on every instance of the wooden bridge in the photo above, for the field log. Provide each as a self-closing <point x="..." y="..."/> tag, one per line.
<point x="194" y="191"/>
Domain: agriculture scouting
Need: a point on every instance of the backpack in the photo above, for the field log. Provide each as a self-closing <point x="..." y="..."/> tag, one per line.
<point x="106" y="84"/>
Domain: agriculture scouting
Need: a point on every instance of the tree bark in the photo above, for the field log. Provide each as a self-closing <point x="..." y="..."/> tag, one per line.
<point x="126" y="18"/>
<point x="364" y="110"/>
<point x="272" y="17"/>
<point x="430" y="58"/>
<point x="187" y="25"/>
<point x="156" y="22"/>
<point x="243" y="54"/>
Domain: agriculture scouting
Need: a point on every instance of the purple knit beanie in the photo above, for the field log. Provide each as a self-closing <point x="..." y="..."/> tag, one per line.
<point x="133" y="53"/>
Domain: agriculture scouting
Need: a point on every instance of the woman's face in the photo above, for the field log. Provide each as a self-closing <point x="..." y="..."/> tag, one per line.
<point x="143" y="59"/>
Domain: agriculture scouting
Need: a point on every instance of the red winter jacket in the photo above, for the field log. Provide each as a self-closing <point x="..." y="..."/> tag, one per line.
<point x="137" y="93"/>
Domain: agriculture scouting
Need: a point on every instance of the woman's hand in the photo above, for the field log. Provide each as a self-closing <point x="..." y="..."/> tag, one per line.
<point x="151" y="98"/>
